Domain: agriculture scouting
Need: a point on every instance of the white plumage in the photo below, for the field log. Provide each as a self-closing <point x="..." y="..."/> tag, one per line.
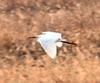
<point x="50" y="41"/>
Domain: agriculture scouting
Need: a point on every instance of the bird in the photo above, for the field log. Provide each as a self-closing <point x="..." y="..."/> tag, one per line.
<point x="49" y="41"/>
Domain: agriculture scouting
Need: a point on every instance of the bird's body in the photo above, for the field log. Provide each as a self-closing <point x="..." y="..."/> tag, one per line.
<point x="52" y="37"/>
<point x="50" y="41"/>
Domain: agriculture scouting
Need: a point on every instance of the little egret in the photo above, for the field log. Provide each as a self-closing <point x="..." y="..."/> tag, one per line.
<point x="49" y="41"/>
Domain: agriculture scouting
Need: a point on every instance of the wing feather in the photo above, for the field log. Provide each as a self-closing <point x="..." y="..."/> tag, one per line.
<point x="49" y="47"/>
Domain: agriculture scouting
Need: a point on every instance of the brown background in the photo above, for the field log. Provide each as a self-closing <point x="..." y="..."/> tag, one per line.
<point x="23" y="61"/>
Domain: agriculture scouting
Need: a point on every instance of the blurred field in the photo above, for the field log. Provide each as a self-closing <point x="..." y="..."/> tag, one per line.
<point x="22" y="60"/>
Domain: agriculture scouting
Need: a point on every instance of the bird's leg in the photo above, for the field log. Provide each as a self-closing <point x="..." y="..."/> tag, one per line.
<point x="32" y="37"/>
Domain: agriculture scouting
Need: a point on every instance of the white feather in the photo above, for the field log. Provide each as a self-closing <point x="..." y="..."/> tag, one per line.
<point x="49" y="41"/>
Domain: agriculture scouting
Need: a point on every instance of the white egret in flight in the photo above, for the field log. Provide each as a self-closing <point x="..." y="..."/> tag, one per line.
<point x="49" y="41"/>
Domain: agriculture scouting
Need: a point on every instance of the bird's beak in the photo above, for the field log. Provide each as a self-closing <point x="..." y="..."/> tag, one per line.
<point x="69" y="42"/>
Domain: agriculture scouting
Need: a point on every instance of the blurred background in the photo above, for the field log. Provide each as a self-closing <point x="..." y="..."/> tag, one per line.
<point x="23" y="60"/>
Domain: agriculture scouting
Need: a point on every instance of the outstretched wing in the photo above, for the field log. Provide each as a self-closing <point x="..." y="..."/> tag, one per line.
<point x="49" y="46"/>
